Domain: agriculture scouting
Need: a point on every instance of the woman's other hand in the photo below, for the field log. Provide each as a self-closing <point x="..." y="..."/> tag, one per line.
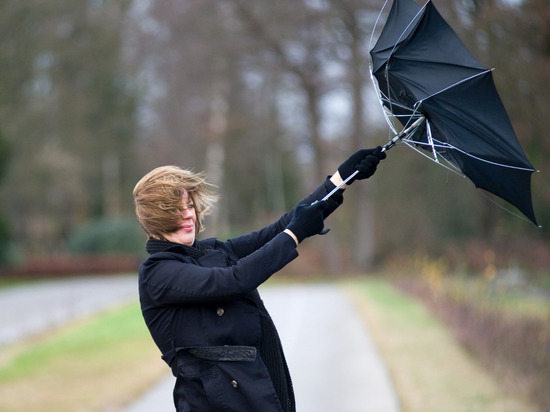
<point x="308" y="220"/>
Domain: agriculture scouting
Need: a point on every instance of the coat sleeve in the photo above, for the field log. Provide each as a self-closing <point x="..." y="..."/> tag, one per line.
<point x="170" y="280"/>
<point x="244" y="245"/>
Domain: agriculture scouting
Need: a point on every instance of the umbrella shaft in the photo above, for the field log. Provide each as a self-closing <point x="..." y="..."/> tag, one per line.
<point x="387" y="146"/>
<point x="329" y="194"/>
<point x="392" y="142"/>
<point x="404" y="133"/>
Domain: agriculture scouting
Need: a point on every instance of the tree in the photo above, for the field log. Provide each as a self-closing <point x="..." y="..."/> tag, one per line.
<point x="70" y="115"/>
<point x="5" y="231"/>
<point x="266" y="97"/>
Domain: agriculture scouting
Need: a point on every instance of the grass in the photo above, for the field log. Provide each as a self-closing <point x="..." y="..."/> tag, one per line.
<point x="512" y="300"/>
<point x="9" y="282"/>
<point x="504" y="326"/>
<point x="96" y="364"/>
<point x="430" y="370"/>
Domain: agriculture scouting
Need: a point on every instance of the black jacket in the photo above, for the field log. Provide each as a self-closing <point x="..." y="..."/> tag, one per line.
<point x="205" y="315"/>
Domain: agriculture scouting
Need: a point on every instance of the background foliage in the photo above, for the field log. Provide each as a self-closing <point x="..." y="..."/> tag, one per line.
<point x="268" y="98"/>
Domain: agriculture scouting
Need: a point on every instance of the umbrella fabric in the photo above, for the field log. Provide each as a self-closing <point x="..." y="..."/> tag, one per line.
<point x="423" y="69"/>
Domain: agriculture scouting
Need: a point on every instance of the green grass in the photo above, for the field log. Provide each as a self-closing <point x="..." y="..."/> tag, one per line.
<point x="78" y="345"/>
<point x="102" y="361"/>
<point x="11" y="282"/>
<point x="430" y="371"/>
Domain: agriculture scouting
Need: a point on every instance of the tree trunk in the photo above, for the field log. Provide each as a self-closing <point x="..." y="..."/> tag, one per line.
<point x="363" y="204"/>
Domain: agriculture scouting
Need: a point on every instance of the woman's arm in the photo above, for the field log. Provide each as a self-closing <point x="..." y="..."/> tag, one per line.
<point x="170" y="280"/>
<point x="364" y="161"/>
<point x="336" y="179"/>
<point x="246" y="244"/>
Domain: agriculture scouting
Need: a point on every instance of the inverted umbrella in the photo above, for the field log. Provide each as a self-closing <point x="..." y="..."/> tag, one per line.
<point x="447" y="103"/>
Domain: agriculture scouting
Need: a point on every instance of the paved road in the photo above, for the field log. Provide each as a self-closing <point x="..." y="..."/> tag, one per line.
<point x="332" y="360"/>
<point x="30" y="309"/>
<point x="334" y="365"/>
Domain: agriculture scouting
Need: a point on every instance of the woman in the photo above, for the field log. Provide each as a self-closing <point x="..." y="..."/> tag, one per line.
<point x="199" y="297"/>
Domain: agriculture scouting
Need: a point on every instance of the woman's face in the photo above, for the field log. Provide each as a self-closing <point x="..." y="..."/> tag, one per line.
<point x="185" y="235"/>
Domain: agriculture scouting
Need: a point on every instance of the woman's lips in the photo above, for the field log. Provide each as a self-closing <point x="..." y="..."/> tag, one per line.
<point x="188" y="227"/>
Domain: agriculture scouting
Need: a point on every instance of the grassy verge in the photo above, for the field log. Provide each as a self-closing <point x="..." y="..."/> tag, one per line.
<point x="430" y="370"/>
<point x="505" y="328"/>
<point x="96" y="364"/>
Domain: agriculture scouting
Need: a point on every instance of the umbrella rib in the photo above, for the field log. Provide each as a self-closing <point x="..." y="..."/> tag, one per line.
<point x="491" y="162"/>
<point x="506" y="209"/>
<point x="456" y="170"/>
<point x="388" y="112"/>
<point x="382" y="98"/>
<point x="445" y="145"/>
<point x="408" y="130"/>
<point x="420" y="11"/>
<point x="431" y="140"/>
<point x="449" y="166"/>
<point x="386" y="68"/>
<point x="376" y="24"/>
<point x="456" y="84"/>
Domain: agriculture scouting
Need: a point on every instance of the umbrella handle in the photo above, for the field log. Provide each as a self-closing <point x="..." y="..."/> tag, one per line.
<point x="403" y="133"/>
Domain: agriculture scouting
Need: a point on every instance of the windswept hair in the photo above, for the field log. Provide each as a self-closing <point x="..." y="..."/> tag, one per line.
<point x="158" y="203"/>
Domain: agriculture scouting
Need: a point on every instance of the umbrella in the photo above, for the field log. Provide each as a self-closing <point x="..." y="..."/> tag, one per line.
<point x="447" y="103"/>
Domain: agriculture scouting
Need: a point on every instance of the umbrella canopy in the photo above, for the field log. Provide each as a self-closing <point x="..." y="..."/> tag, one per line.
<point x="424" y="71"/>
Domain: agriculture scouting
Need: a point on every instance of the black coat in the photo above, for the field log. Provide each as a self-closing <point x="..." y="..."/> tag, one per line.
<point x="204" y="314"/>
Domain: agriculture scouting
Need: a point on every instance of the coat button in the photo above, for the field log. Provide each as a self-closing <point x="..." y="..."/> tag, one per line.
<point x="220" y="312"/>
<point x="234" y="383"/>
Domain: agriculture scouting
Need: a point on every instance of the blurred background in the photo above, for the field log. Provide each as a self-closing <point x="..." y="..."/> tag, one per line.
<point x="269" y="97"/>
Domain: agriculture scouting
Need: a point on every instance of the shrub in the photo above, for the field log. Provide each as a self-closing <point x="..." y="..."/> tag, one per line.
<point x="108" y="236"/>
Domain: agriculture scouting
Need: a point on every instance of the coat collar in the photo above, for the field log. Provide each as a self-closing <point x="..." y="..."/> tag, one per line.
<point x="196" y="251"/>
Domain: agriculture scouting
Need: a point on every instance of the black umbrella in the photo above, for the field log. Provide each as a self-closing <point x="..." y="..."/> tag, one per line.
<point x="448" y="103"/>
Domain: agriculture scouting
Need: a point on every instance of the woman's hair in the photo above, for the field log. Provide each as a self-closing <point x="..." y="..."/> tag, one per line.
<point x="158" y="199"/>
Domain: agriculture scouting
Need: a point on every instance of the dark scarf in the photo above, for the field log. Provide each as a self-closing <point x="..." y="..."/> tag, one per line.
<point x="196" y="251"/>
<point x="271" y="349"/>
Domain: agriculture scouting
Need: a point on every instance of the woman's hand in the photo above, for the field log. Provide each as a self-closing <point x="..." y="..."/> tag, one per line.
<point x="308" y="220"/>
<point x="364" y="161"/>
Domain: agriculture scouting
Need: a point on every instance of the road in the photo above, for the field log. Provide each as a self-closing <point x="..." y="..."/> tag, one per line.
<point x="29" y="309"/>
<point x="332" y="360"/>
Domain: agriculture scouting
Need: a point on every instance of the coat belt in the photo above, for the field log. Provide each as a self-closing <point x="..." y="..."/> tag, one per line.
<point x="224" y="353"/>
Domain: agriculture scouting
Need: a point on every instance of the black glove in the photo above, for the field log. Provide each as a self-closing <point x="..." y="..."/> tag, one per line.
<point x="307" y="220"/>
<point x="365" y="161"/>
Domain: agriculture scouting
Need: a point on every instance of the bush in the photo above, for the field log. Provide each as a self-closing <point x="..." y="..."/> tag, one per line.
<point x="5" y="240"/>
<point x="108" y="236"/>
